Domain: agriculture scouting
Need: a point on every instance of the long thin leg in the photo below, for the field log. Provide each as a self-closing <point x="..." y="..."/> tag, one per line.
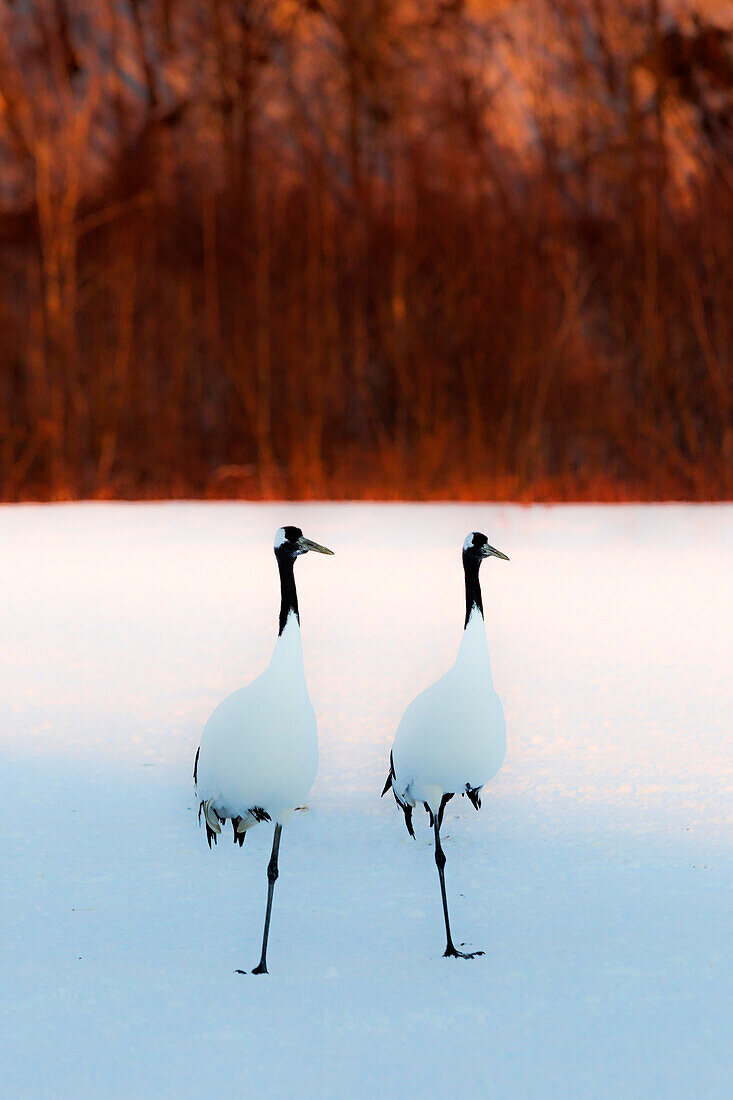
<point x="450" y="948"/>
<point x="272" y="873"/>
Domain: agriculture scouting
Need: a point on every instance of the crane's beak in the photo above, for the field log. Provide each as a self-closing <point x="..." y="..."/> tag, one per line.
<point x="492" y="552"/>
<point x="308" y="545"/>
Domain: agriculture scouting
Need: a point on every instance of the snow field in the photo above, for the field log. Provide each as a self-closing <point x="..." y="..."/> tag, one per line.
<point x="596" y="877"/>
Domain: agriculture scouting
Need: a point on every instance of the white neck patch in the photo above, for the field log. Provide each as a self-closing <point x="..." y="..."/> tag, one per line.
<point x="280" y="537"/>
<point x="468" y="541"/>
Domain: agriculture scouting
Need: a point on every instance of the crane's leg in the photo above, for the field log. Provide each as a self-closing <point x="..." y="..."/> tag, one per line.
<point x="272" y="873"/>
<point x="450" y="948"/>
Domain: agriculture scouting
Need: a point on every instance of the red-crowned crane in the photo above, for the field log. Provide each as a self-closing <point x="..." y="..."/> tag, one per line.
<point x="452" y="737"/>
<point x="258" y="755"/>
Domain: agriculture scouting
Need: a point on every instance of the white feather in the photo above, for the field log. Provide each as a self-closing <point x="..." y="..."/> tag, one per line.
<point x="260" y="746"/>
<point x="453" y="733"/>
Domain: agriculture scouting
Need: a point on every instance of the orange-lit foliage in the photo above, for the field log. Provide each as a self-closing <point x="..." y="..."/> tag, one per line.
<point x="331" y="249"/>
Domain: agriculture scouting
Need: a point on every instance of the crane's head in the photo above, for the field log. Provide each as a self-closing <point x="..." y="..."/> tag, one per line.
<point x="290" y="542"/>
<point x="476" y="547"/>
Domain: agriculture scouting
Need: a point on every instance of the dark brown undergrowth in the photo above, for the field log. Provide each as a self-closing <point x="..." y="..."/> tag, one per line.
<point x="421" y="319"/>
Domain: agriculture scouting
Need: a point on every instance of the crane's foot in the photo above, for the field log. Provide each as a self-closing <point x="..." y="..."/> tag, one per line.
<point x="452" y="952"/>
<point x="240" y="971"/>
<point x="261" y="969"/>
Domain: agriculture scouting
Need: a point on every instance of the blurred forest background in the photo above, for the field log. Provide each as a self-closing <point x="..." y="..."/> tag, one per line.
<point x="360" y="248"/>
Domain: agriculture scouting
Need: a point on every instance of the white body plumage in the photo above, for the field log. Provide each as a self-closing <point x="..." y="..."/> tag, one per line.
<point x="259" y="749"/>
<point x="452" y="737"/>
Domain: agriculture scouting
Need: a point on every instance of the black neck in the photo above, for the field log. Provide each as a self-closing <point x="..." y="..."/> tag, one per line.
<point x="473" y="588"/>
<point x="288" y="595"/>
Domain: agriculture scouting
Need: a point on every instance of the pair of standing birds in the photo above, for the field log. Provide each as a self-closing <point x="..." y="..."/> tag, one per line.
<point x="259" y="750"/>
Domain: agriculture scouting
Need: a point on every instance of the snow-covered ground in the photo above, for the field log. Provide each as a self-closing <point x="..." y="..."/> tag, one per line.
<point x="596" y="877"/>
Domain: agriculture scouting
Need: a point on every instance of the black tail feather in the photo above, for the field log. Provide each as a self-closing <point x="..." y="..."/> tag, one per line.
<point x="210" y="834"/>
<point x="474" y="796"/>
<point x="407" y="811"/>
<point x="238" y="837"/>
<point x="390" y="777"/>
<point x="196" y="766"/>
<point x="256" y="811"/>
